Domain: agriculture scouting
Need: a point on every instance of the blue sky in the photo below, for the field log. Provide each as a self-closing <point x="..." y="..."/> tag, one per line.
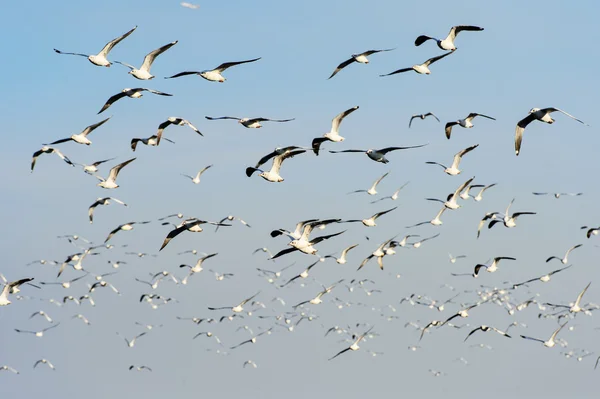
<point x="533" y="54"/>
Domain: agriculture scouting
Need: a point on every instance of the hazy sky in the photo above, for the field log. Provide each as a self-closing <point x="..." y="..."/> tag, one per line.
<point x="531" y="54"/>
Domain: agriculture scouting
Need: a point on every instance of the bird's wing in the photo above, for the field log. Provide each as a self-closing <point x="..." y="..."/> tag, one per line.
<point x="321" y="238"/>
<point x="563" y="112"/>
<point x="462" y="187"/>
<point x="472" y="332"/>
<point x="540" y="193"/>
<point x="378" y="214"/>
<point x="111" y="100"/>
<point x="345" y="251"/>
<point x="91" y="128"/>
<point x="436" y="163"/>
<point x="457" y="29"/>
<point x="431" y="113"/>
<point x="160" y="93"/>
<point x="204" y="169"/>
<point x="278" y="160"/>
<point x="434" y="59"/>
<point x="125" y="64"/>
<point x="183" y="74"/>
<point x="477" y="268"/>
<point x="474" y="114"/>
<point x="283" y="252"/>
<point x="339" y="353"/>
<point x="109" y="46"/>
<point x="264" y="159"/>
<point x="114" y="172"/>
<point x="272" y="120"/>
<point x="316" y="144"/>
<point x="342" y="66"/>
<point x="174" y="233"/>
<point x="422" y="39"/>
<point x="335" y="123"/>
<point x="62" y="52"/>
<point x="460" y="154"/>
<point x="61" y="141"/>
<point x="221" y="117"/>
<point x="226" y="65"/>
<point x="578" y="301"/>
<point x="411" y="119"/>
<point x="389" y="149"/>
<point x="448" y="129"/>
<point x="397" y="71"/>
<point x="379" y="181"/>
<point x="521" y="125"/>
<point x="555" y="333"/>
<point x="573" y="247"/>
<point x="151" y="56"/>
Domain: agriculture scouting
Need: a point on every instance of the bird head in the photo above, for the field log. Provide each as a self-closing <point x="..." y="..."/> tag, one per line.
<point x="533" y="110"/>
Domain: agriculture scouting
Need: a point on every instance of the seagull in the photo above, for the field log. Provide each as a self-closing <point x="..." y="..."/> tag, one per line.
<point x="542" y="115"/>
<point x="436" y="221"/>
<point x="451" y="202"/>
<point x="544" y="279"/>
<point x="100" y="58"/>
<point x="491" y="268"/>
<point x="464" y="313"/>
<point x="8" y="368"/>
<point x="249" y="363"/>
<point x="111" y="181"/>
<point x="232" y="218"/>
<point x="486" y="329"/>
<point x="196" y="179"/>
<point x="131" y="93"/>
<point x="370" y="222"/>
<point x="361" y="58"/>
<point x="214" y="75"/>
<point x="564" y="260"/>
<point x="304" y="245"/>
<point x="434" y="323"/>
<point x="43" y="314"/>
<point x="379" y="155"/>
<point x="263" y="249"/>
<point x="372" y="190"/>
<point x="44" y="361"/>
<point x="379" y="253"/>
<point x="354" y="346"/>
<point x="448" y="42"/>
<point x="102" y="201"/>
<point x="272" y="175"/>
<point x="422" y="117"/>
<point x="303" y="275"/>
<point x="419" y="68"/>
<point x="11" y="288"/>
<point x="131" y="343"/>
<point x="479" y="196"/>
<point x="253" y="339"/>
<point x="550" y="343"/>
<point x="419" y="243"/>
<point x="81" y="138"/>
<point x="393" y="197"/>
<point x="454" y="258"/>
<point x="197" y="268"/>
<point x="38" y="334"/>
<point x="333" y="134"/>
<point x="342" y="259"/>
<point x="576" y="307"/>
<point x="82" y="318"/>
<point x="297" y="233"/>
<point x="151" y="141"/>
<point x="466" y="123"/>
<point x="509" y="220"/>
<point x="192" y="225"/>
<point x="249" y="122"/>
<point x="453" y="170"/>
<point x="173" y="120"/>
<point x="238" y="308"/>
<point x="93" y="168"/>
<point x="139" y="368"/>
<point x="557" y="195"/>
<point x="144" y="72"/>
<point x="591" y="231"/>
<point x="317" y="300"/>
<point x="123" y="227"/>
<point x="49" y="150"/>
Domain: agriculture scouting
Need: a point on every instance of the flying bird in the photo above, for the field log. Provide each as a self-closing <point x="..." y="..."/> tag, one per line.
<point x="93" y="168"/>
<point x="393" y="197"/>
<point x="214" y="75"/>
<point x="131" y="343"/>
<point x="419" y="68"/>
<point x="81" y="138"/>
<point x="373" y="189"/>
<point x="379" y="155"/>
<point x="44" y="361"/>
<point x="237" y="308"/>
<point x="249" y="122"/>
<point x="550" y="343"/>
<point x="38" y="334"/>
<point x="557" y="195"/>
<point x="111" y="181"/>
<point x="575" y="307"/>
<point x="342" y="259"/>
<point x="333" y="134"/>
<point x="231" y="218"/>
<point x="123" y="227"/>
<point x="360" y="58"/>
<point x="173" y="120"/>
<point x="537" y="114"/>
<point x="370" y="222"/>
<point x="100" y="58"/>
<point x="49" y="150"/>
<point x="196" y="179"/>
<point x="448" y="42"/>
<point x="151" y="141"/>
<point x="453" y="169"/>
<point x="509" y="220"/>
<point x="544" y="279"/>
<point x="102" y="201"/>
<point x="131" y="93"/>
<point x="354" y="346"/>
<point x="479" y="196"/>
<point x="11" y="288"/>
<point x="273" y="175"/>
<point x="422" y="117"/>
<point x="466" y="123"/>
<point x="143" y="73"/>
<point x="192" y="225"/>
<point x="486" y="329"/>
<point x="564" y="260"/>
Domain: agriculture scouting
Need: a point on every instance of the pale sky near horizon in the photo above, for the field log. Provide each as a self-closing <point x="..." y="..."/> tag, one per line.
<point x="531" y="54"/>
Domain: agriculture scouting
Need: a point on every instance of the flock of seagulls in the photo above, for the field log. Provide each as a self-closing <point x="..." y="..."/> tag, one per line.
<point x="257" y="307"/>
